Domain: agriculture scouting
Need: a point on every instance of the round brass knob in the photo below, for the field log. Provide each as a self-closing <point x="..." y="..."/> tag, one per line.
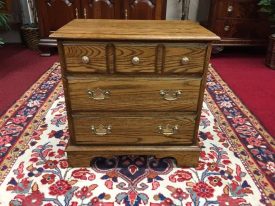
<point x="135" y="60"/>
<point x="229" y="9"/>
<point x="184" y="60"/>
<point x="85" y="59"/>
<point x="226" y="28"/>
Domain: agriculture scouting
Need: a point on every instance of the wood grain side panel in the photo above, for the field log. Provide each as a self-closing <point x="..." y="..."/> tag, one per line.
<point x="95" y="52"/>
<point x="81" y="156"/>
<point x="202" y="89"/>
<point x="134" y="94"/>
<point x="138" y="129"/>
<point x="175" y="52"/>
<point x="66" y="93"/>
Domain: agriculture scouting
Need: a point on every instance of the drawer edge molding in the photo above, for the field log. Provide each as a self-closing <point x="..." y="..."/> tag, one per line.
<point x="98" y="148"/>
<point x="84" y="156"/>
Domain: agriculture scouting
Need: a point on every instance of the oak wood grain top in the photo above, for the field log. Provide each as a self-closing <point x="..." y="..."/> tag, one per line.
<point x="100" y="29"/>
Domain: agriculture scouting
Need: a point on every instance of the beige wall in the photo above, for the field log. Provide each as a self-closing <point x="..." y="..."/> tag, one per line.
<point x="198" y="9"/>
<point x="173" y="10"/>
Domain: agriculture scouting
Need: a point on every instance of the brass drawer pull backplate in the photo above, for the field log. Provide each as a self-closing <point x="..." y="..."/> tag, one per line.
<point x="170" y="95"/>
<point x="168" y="129"/>
<point x="101" y="130"/>
<point x="98" y="94"/>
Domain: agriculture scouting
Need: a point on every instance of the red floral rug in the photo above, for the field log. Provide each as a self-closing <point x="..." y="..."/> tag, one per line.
<point x="236" y="163"/>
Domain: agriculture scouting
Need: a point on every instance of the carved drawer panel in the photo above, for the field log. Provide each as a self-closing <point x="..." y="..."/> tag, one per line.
<point x="133" y="94"/>
<point x="133" y="129"/>
<point x="89" y="57"/>
<point x="135" y="58"/>
<point x="184" y="58"/>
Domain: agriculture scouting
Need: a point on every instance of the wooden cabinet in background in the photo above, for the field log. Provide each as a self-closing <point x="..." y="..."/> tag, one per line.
<point x="238" y="22"/>
<point x="6" y="6"/>
<point x="145" y="10"/>
<point x="53" y="14"/>
<point x="104" y="9"/>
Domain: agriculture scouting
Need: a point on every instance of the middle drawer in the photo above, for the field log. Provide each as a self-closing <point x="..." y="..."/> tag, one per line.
<point x="133" y="94"/>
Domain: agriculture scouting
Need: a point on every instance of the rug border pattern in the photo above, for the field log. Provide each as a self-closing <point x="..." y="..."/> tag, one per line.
<point x="23" y="140"/>
<point x="267" y="188"/>
<point x="6" y="115"/>
<point x="252" y="118"/>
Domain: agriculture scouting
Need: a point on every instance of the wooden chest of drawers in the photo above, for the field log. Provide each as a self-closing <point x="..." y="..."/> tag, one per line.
<point x="133" y="87"/>
<point x="238" y="22"/>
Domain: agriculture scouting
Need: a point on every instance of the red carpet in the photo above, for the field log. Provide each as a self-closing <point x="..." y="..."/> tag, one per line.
<point x="19" y="69"/>
<point x="252" y="82"/>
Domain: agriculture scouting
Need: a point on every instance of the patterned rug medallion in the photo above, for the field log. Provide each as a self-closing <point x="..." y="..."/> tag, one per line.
<point x="236" y="163"/>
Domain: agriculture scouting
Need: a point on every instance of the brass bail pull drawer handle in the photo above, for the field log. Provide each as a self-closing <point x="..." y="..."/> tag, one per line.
<point x="101" y="130"/>
<point x="168" y="130"/>
<point x="170" y="95"/>
<point x="98" y="94"/>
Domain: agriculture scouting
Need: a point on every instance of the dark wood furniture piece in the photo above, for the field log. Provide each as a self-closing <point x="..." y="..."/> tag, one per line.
<point x="238" y="22"/>
<point x="10" y="7"/>
<point x="6" y="7"/>
<point x="270" y="56"/>
<point x="53" y="14"/>
<point x="133" y="87"/>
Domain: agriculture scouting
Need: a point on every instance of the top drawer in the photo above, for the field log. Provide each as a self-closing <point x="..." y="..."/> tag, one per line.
<point x="244" y="9"/>
<point x="164" y="58"/>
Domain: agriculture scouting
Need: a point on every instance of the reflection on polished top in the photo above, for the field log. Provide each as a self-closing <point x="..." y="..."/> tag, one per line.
<point x="134" y="30"/>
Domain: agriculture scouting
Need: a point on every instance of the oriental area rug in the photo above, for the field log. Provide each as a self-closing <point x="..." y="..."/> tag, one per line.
<point x="236" y="163"/>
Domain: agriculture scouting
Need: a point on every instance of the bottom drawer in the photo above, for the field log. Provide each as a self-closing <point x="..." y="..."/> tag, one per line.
<point x="134" y="129"/>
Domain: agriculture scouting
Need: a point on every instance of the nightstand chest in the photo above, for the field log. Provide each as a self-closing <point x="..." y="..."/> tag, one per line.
<point x="238" y="22"/>
<point x="133" y="87"/>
